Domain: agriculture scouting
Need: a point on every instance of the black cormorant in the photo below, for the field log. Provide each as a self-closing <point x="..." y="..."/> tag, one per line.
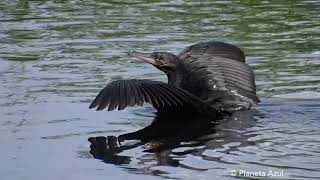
<point x="209" y="77"/>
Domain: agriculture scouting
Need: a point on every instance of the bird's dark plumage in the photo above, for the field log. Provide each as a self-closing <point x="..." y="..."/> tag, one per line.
<point x="207" y="77"/>
<point x="123" y="93"/>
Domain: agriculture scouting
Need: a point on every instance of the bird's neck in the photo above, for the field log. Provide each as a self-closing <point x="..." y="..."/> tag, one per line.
<point x="175" y="77"/>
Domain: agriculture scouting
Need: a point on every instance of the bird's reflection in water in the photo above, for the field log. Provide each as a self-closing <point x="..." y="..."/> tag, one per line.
<point x="168" y="132"/>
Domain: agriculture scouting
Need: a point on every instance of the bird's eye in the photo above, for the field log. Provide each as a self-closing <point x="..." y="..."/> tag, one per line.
<point x="158" y="58"/>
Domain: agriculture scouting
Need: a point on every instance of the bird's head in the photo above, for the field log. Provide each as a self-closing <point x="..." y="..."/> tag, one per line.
<point x="164" y="61"/>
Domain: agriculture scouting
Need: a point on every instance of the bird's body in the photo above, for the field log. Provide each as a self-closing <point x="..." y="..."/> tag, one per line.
<point x="207" y="77"/>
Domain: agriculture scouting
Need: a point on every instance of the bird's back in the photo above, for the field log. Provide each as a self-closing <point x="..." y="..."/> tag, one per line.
<point x="217" y="73"/>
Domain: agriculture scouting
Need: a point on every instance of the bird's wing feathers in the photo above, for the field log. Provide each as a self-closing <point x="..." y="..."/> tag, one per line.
<point x="122" y="93"/>
<point x="232" y="76"/>
<point x="214" y="48"/>
<point x="224" y="66"/>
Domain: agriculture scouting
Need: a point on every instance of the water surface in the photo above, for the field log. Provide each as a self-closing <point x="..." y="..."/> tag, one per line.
<point x="56" y="55"/>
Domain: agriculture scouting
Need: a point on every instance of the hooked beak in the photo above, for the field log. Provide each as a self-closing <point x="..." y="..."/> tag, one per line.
<point x="144" y="56"/>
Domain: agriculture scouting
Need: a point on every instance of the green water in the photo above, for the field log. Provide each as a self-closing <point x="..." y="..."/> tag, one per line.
<point x="56" y="55"/>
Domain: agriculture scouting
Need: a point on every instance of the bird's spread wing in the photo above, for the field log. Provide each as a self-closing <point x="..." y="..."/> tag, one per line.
<point x="225" y="75"/>
<point x="122" y="93"/>
<point x="223" y="65"/>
